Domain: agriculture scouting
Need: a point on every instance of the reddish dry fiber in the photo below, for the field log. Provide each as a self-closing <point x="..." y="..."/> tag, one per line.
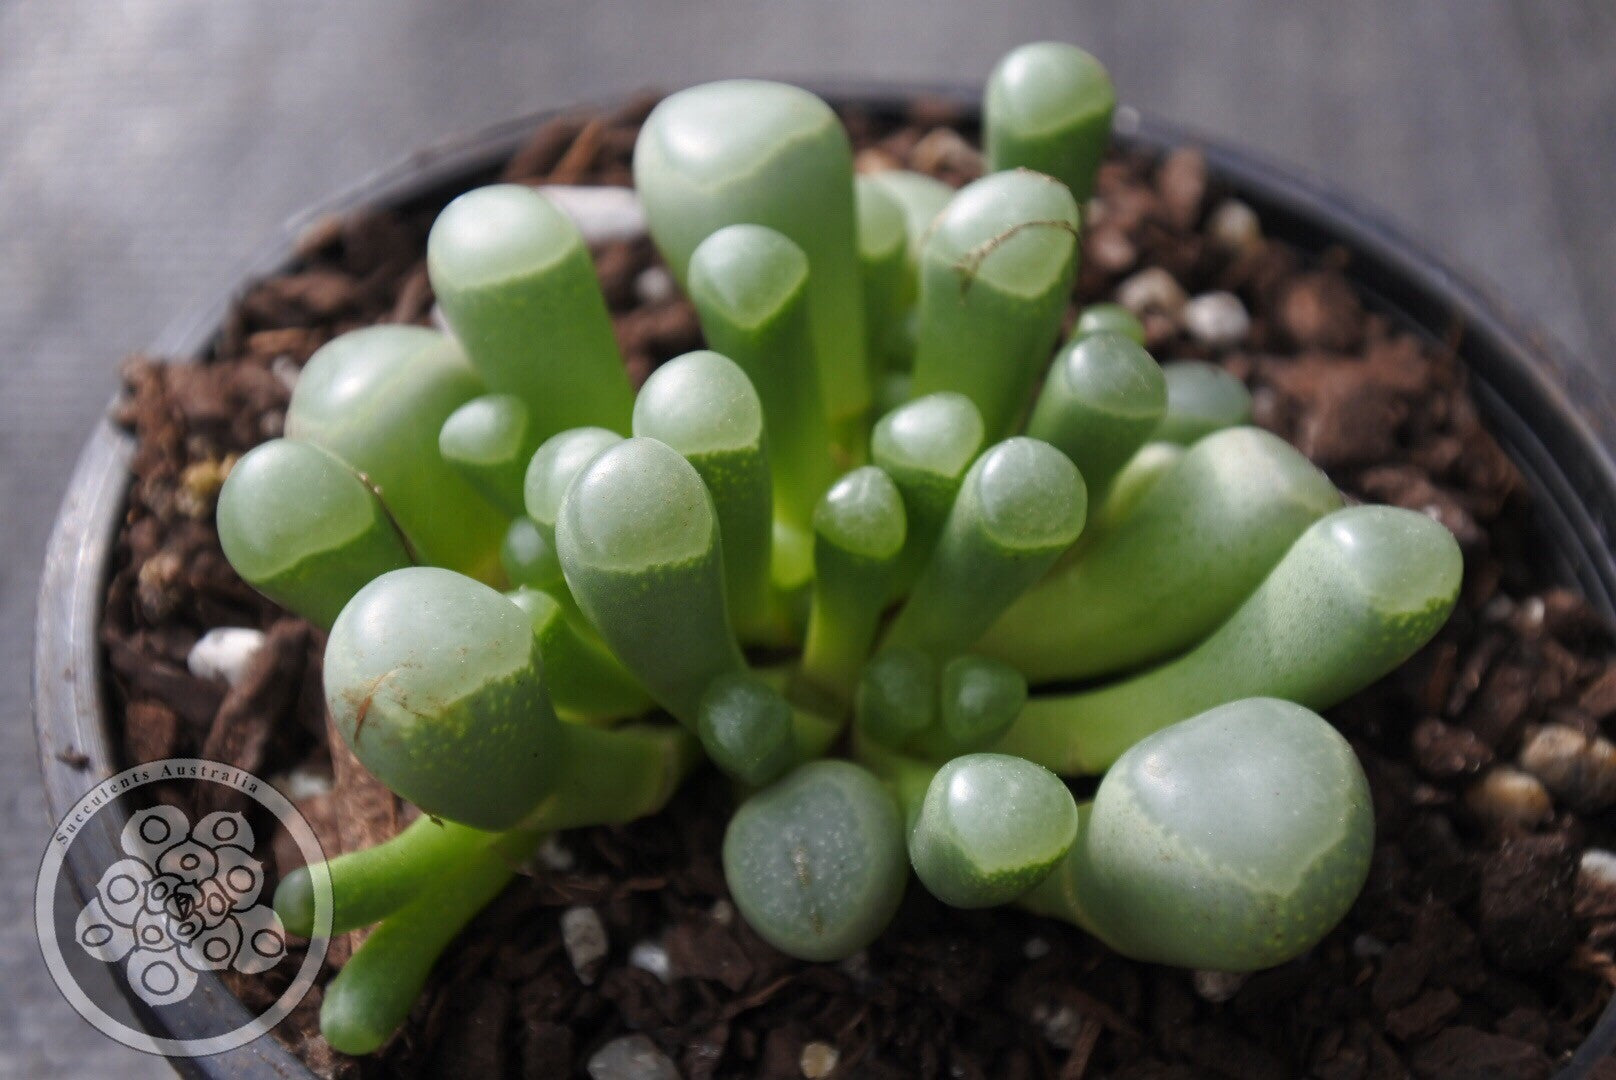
<point x="1473" y="952"/>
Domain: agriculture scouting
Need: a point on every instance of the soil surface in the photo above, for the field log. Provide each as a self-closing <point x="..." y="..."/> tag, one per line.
<point x="1482" y="946"/>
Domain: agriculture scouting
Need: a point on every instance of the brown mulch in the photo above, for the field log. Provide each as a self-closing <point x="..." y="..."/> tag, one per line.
<point x="1476" y="949"/>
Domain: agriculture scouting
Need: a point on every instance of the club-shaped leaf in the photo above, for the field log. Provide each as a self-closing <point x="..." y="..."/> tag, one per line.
<point x="1198" y="543"/>
<point x="816" y="863"/>
<point x="1141" y="472"/>
<point x="896" y="700"/>
<point x="995" y="275"/>
<point x="1101" y="401"/>
<point x="584" y="679"/>
<point x="858" y="538"/>
<point x="745" y="151"/>
<point x="1109" y="319"/>
<point x="376" y="399"/>
<point x="746" y="728"/>
<point x="517" y="284"/>
<point x="703" y="405"/>
<point x="1048" y="107"/>
<point x="883" y="247"/>
<point x="437" y="683"/>
<point x="553" y="468"/>
<point x="1357" y="594"/>
<point x="1230" y="842"/>
<point x="749" y="285"/>
<point x="529" y="558"/>
<point x="1022" y="503"/>
<point x="300" y="527"/>
<point x="926" y="446"/>
<point x="978" y="701"/>
<point x="490" y="439"/>
<point x="1201" y="398"/>
<point x="638" y="540"/>
<point x="989" y="828"/>
<point x="921" y="198"/>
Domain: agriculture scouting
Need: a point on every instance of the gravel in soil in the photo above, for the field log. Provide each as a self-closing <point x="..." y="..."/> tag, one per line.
<point x="1481" y="947"/>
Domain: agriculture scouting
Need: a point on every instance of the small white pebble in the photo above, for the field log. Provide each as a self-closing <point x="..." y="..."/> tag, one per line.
<point x="285" y="371"/>
<point x="1366" y="947"/>
<point x="1035" y="948"/>
<point x="601" y="213"/>
<point x="224" y="653"/>
<point x="1599" y="867"/>
<point x="1234" y="227"/>
<point x="652" y="957"/>
<point x="655" y="285"/>
<point x="723" y="912"/>
<point x="1060" y="1025"/>
<point x="1532" y="611"/>
<point x="631" y="1057"/>
<point x="584" y="937"/>
<point x="818" y="1060"/>
<point x="1217" y="986"/>
<point x="554" y="855"/>
<point x="302" y="783"/>
<point x="1153" y="289"/>
<point x="1218" y="319"/>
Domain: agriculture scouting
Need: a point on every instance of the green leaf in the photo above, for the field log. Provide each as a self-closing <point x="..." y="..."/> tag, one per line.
<point x="638" y="539"/>
<point x="1231" y="841"/>
<point x="816" y="863"/>
<point x="746" y="728"/>
<point x="703" y="405"/>
<point x="980" y="698"/>
<point x="897" y="696"/>
<point x="1201" y="398"/>
<point x="516" y="282"/>
<point x="1356" y="595"/>
<point x="490" y="440"/>
<point x="749" y="285"/>
<point x="1103" y="398"/>
<point x="1109" y="319"/>
<point x="995" y="276"/>
<point x="746" y="151"/>
<point x="990" y="828"/>
<point x="1198" y="543"/>
<point x="437" y="684"/>
<point x="300" y="527"/>
<point x="926" y="446"/>
<point x="1022" y="503"/>
<point x="1048" y="107"/>
<point x="376" y="399"/>
<point x="859" y="534"/>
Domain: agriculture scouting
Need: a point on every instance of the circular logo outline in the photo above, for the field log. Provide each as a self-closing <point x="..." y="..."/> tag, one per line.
<point x="103" y="795"/>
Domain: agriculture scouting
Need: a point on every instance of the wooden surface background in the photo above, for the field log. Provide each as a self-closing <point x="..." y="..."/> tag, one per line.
<point x="147" y="145"/>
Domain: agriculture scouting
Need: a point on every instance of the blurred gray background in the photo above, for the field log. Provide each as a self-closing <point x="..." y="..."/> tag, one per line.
<point x="147" y="146"/>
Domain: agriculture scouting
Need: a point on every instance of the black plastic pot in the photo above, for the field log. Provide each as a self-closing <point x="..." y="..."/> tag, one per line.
<point x="1525" y="387"/>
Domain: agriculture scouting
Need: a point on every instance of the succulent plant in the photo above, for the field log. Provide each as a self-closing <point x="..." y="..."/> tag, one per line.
<point x="551" y="599"/>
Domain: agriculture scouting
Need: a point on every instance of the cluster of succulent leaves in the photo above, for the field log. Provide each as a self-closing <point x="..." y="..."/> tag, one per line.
<point x="874" y="556"/>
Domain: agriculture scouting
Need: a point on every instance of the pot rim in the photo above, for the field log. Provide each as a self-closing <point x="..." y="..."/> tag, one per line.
<point x="1553" y="416"/>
